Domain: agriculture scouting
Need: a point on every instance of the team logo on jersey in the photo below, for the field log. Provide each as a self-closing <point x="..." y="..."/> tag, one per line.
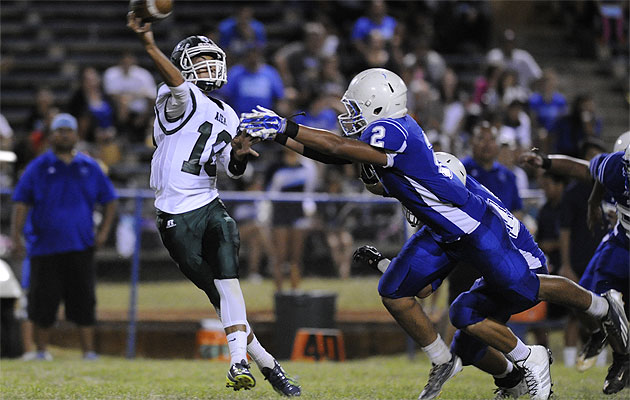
<point x="221" y="118"/>
<point x="170" y="224"/>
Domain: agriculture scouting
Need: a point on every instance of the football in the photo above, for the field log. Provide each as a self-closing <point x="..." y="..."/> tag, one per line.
<point x="151" y="10"/>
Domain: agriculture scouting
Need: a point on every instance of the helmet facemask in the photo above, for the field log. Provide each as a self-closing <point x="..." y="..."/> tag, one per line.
<point x="353" y="122"/>
<point x="216" y="68"/>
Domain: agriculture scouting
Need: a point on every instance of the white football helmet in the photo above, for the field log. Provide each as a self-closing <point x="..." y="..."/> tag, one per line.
<point x="373" y="94"/>
<point x="622" y="142"/>
<point x="216" y="68"/>
<point x="452" y="163"/>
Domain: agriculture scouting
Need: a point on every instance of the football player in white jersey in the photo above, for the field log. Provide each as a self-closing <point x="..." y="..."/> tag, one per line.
<point x="193" y="132"/>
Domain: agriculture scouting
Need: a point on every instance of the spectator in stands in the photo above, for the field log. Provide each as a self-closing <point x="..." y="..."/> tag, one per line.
<point x="93" y="108"/>
<point x="61" y="187"/>
<point x="508" y="155"/>
<point x="375" y="20"/>
<point x="252" y="82"/>
<point x="44" y="102"/>
<point x="484" y="167"/>
<point x="510" y="57"/>
<point x="379" y="53"/>
<point x="546" y="106"/>
<point x="293" y="173"/>
<point x="238" y="32"/>
<point x="571" y="131"/>
<point x="516" y="126"/>
<point x="425" y="61"/>
<point x="577" y="242"/>
<point x="298" y="61"/>
<point x="548" y="239"/>
<point x="32" y="145"/>
<point x="510" y="90"/>
<point x="253" y="226"/>
<point x="132" y="88"/>
<point x="485" y="93"/>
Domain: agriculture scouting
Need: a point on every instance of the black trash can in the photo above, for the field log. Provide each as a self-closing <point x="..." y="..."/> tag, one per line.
<point x="300" y="309"/>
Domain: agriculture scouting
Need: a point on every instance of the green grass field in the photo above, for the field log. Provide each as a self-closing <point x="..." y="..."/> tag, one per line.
<point x="374" y="378"/>
<point x="395" y="377"/>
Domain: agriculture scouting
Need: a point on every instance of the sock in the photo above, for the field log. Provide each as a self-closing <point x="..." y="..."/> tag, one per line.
<point x="598" y="307"/>
<point x="438" y="352"/>
<point x="383" y="264"/>
<point x="569" y="354"/>
<point x="260" y="356"/>
<point x="602" y="358"/>
<point x="507" y="371"/>
<point x="518" y="353"/>
<point x="237" y="343"/>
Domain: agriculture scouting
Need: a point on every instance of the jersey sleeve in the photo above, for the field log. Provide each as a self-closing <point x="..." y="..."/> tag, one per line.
<point x="385" y="134"/>
<point x="603" y="166"/>
<point x="24" y="190"/>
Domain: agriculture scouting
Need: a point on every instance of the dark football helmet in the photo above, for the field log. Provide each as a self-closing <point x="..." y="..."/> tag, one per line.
<point x="192" y="47"/>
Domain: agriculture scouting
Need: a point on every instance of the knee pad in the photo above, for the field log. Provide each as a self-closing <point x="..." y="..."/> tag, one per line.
<point x="468" y="348"/>
<point x="463" y="311"/>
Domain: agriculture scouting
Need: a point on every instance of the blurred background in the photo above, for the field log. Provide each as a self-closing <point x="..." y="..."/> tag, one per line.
<point x="549" y="74"/>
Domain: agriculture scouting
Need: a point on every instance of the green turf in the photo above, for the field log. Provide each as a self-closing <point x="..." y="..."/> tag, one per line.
<point x="352" y="294"/>
<point x="374" y="378"/>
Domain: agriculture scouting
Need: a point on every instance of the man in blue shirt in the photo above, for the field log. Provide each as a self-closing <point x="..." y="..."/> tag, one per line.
<point x="61" y="188"/>
<point x="252" y="82"/>
<point x="463" y="224"/>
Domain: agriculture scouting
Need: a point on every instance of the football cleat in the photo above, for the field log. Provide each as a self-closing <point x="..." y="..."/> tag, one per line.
<point x="280" y="381"/>
<point x="239" y="377"/>
<point x="537" y="373"/>
<point x="615" y="322"/>
<point x="367" y="255"/>
<point x="438" y="376"/>
<point x="618" y="375"/>
<point x="593" y="347"/>
<point x="512" y="386"/>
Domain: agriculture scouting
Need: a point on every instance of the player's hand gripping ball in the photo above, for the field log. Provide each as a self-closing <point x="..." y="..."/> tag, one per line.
<point x="151" y="10"/>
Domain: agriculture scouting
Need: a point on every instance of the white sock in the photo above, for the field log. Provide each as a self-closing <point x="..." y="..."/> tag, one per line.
<point x="438" y="352"/>
<point x="602" y="358"/>
<point x="598" y="307"/>
<point x="383" y="264"/>
<point x="507" y="371"/>
<point x="569" y="354"/>
<point x="260" y="356"/>
<point x="518" y="353"/>
<point x="237" y="343"/>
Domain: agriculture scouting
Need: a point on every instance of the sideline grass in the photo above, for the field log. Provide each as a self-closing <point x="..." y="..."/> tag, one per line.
<point x="374" y="378"/>
<point x="358" y="294"/>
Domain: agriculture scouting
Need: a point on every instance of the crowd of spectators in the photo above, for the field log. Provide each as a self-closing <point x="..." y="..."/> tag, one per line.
<point x="305" y="76"/>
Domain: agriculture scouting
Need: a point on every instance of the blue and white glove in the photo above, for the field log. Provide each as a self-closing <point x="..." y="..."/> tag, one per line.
<point x="262" y="123"/>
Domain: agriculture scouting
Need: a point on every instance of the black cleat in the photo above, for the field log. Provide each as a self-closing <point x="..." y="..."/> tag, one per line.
<point x="592" y="348"/>
<point x="512" y="386"/>
<point x="618" y="375"/>
<point x="438" y="376"/>
<point x="615" y="322"/>
<point x="239" y="377"/>
<point x="280" y="381"/>
<point x="367" y="255"/>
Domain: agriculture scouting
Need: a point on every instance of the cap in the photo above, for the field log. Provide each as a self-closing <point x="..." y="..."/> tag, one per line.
<point x="63" y="120"/>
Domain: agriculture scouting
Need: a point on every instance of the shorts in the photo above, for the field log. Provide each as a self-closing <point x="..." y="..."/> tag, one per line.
<point x="65" y="276"/>
<point x="204" y="243"/>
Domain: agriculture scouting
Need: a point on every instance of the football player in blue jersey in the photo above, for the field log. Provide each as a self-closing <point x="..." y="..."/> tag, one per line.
<point x="463" y="226"/>
<point x="610" y="266"/>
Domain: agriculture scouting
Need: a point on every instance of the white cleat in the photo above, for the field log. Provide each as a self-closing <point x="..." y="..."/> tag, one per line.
<point x="537" y="372"/>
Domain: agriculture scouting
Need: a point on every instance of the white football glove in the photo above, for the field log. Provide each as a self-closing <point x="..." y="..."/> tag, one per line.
<point x="262" y="123"/>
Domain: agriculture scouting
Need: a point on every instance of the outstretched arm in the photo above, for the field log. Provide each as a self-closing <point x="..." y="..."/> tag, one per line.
<point x="266" y="124"/>
<point x="557" y="163"/>
<point x="171" y="75"/>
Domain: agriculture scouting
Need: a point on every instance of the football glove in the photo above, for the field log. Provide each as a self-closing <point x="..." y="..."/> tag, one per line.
<point x="368" y="174"/>
<point x="262" y="123"/>
<point x="367" y="255"/>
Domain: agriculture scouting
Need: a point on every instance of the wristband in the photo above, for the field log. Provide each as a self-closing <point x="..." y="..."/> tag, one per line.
<point x="236" y="167"/>
<point x="281" y="138"/>
<point x="292" y="129"/>
<point x="546" y="162"/>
